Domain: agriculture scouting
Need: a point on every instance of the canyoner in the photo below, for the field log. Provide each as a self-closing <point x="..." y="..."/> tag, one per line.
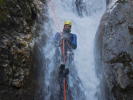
<point x="65" y="43"/>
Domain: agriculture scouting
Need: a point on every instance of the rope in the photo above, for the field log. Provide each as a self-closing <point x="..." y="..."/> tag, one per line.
<point x="63" y="49"/>
<point x="65" y="87"/>
<point x="64" y="60"/>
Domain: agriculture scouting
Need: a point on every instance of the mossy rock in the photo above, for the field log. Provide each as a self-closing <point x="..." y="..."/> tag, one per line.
<point x="2" y="2"/>
<point x="3" y="15"/>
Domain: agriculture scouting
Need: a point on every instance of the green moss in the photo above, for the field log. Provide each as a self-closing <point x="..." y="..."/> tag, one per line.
<point x="3" y="15"/>
<point x="2" y="2"/>
<point x="3" y="11"/>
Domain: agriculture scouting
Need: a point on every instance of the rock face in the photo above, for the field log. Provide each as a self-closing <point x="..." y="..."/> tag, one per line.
<point x="17" y="18"/>
<point x="115" y="51"/>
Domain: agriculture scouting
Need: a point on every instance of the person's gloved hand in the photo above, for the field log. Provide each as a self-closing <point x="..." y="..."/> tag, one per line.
<point x="65" y="36"/>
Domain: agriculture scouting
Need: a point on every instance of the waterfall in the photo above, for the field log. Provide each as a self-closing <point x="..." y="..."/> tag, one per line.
<point x="85" y="16"/>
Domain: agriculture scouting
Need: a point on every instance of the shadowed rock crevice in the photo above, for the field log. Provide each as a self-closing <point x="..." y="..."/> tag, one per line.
<point x="130" y="28"/>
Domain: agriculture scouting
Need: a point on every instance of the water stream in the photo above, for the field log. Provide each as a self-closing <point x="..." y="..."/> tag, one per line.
<point x="85" y="16"/>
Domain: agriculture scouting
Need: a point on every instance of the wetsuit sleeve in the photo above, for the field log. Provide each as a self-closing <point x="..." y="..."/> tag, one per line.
<point x="73" y="41"/>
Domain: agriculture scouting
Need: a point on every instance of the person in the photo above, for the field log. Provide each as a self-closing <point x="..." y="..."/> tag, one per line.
<point x="65" y="43"/>
<point x="70" y="40"/>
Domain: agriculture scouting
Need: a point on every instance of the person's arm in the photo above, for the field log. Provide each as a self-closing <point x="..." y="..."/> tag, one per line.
<point x="73" y="41"/>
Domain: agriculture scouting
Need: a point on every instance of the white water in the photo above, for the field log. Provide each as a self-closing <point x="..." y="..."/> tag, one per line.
<point x="85" y="28"/>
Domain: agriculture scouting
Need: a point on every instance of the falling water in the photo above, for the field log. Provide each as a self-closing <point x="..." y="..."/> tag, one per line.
<point x="85" y="15"/>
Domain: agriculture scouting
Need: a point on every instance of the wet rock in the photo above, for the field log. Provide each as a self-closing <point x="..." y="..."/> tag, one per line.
<point x="122" y="78"/>
<point x="108" y="2"/>
<point x="17" y="83"/>
<point x="81" y="7"/>
<point x="114" y="40"/>
<point x="17" y="20"/>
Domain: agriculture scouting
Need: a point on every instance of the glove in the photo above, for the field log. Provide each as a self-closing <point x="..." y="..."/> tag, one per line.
<point x="65" y="36"/>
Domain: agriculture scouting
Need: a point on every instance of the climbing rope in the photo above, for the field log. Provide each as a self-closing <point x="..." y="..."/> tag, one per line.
<point x="65" y="90"/>
<point x="64" y="61"/>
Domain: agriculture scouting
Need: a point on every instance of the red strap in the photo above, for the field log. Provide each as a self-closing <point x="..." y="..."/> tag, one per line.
<point x="63" y="50"/>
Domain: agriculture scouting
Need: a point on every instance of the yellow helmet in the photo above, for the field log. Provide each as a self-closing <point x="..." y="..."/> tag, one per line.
<point x="68" y="23"/>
